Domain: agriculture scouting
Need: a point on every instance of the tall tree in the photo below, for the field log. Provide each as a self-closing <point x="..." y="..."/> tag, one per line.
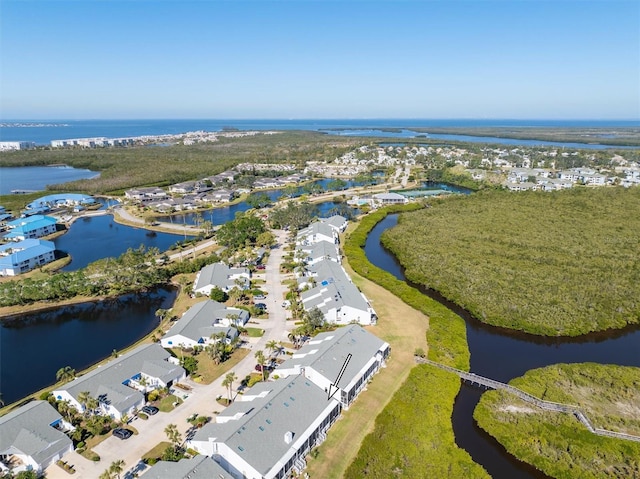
<point x="66" y="374"/>
<point x="259" y="355"/>
<point x="173" y="435"/>
<point x="116" y="468"/>
<point x="227" y="382"/>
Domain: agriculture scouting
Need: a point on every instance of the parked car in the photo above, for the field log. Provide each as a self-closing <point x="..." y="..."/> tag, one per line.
<point x="150" y="410"/>
<point x="259" y="296"/>
<point x="260" y="266"/>
<point x="122" y="433"/>
<point x="260" y="306"/>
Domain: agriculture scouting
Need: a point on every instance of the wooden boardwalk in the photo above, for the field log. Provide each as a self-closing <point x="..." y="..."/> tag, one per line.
<point x="547" y="405"/>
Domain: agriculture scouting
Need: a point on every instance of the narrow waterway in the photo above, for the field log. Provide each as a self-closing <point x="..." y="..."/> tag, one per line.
<point x="503" y="355"/>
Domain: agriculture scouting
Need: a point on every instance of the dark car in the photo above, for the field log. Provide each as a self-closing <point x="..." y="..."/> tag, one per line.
<point x="261" y="306"/>
<point x="150" y="410"/>
<point x="260" y="266"/>
<point x="122" y="433"/>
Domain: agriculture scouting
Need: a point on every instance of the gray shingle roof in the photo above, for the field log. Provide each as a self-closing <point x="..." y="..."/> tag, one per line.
<point x="336" y="221"/>
<point x="327" y="352"/>
<point x="316" y="228"/>
<point x="200" y="320"/>
<point x="217" y="274"/>
<point x="257" y="436"/>
<point x="28" y="429"/>
<point x="106" y="382"/>
<point x="198" y="467"/>
<point x="334" y="289"/>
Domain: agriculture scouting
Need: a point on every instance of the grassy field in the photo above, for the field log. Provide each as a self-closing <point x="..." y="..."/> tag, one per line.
<point x="352" y="441"/>
<point x="557" y="264"/>
<point x="557" y="443"/>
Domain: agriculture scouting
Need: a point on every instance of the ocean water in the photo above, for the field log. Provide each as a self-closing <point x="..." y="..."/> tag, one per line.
<point x="43" y="131"/>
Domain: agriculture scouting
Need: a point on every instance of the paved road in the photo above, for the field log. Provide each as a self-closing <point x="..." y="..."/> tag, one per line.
<point x="202" y="398"/>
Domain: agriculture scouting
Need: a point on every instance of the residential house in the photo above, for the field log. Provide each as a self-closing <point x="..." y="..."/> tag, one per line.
<point x="120" y="384"/>
<point x="315" y="233"/>
<point x="35" y="226"/>
<point x="32" y="437"/>
<point x="322" y="359"/>
<point x="269" y="430"/>
<point x="146" y="195"/>
<point x="221" y="276"/>
<point x="183" y="188"/>
<point x="198" y="467"/>
<point x="336" y="296"/>
<point x="25" y="255"/>
<point x="314" y="253"/>
<point x="201" y="321"/>
<point x="337" y="222"/>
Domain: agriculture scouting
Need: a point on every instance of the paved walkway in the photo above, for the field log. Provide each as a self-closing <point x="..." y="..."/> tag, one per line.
<point x="201" y="400"/>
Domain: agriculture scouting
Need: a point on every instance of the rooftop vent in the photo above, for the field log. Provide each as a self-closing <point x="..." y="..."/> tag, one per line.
<point x="288" y="437"/>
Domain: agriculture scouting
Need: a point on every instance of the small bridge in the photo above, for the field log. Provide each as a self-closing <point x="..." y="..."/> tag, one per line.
<point x="547" y="405"/>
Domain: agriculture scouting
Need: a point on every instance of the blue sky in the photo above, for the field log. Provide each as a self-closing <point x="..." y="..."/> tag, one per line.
<point x="561" y="59"/>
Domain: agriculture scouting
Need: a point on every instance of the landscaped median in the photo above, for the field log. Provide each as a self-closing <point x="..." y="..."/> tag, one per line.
<point x="412" y="435"/>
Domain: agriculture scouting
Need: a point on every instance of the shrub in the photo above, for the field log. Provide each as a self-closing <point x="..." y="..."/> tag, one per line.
<point x="142" y="415"/>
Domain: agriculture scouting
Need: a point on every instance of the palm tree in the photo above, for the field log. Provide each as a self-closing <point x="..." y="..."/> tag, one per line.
<point x="273" y="346"/>
<point x="259" y="355"/>
<point x="173" y="435"/>
<point x="117" y="467"/>
<point x="83" y="399"/>
<point x="66" y="374"/>
<point x="227" y="382"/>
<point x="106" y="475"/>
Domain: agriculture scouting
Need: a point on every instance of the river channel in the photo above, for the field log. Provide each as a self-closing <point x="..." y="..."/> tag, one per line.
<point x="504" y="355"/>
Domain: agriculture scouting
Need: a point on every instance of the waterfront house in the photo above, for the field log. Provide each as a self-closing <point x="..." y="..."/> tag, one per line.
<point x="120" y="384"/>
<point x="32" y="437"/>
<point x="146" y="195"/>
<point x="198" y="467"/>
<point x="25" y="255"/>
<point x="62" y="200"/>
<point x="16" y="145"/>
<point x="268" y="431"/>
<point x="322" y="358"/>
<point x="35" y="226"/>
<point x="336" y="296"/>
<point x="203" y="320"/>
<point x="221" y="276"/>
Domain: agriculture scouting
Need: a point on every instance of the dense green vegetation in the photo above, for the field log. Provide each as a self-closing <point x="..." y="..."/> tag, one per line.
<point x="413" y="436"/>
<point x="563" y="263"/>
<point x="123" y="168"/>
<point x="243" y="230"/>
<point x="446" y="336"/>
<point x="134" y="270"/>
<point x="557" y="443"/>
<point x="607" y="136"/>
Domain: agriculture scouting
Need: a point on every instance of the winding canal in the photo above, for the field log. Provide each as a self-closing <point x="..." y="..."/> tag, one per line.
<point x="504" y="355"/>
